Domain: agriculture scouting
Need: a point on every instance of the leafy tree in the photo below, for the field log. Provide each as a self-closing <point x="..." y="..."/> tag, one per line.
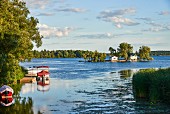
<point x="144" y="52"/>
<point x="125" y="49"/>
<point x="18" y="31"/>
<point x="112" y="51"/>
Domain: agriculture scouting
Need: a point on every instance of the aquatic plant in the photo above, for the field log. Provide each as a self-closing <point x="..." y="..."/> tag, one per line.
<point x="152" y="85"/>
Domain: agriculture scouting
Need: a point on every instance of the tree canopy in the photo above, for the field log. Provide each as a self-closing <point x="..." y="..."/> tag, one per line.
<point x="125" y="49"/>
<point x="144" y="52"/>
<point x="18" y="31"/>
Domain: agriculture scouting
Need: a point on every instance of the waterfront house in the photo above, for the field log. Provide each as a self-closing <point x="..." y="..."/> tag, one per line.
<point x="133" y="58"/>
<point x="114" y="59"/>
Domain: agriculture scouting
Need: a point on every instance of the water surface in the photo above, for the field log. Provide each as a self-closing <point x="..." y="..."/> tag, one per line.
<point x="79" y="87"/>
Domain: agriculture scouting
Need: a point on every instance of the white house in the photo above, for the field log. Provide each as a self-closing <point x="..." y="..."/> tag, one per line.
<point x="114" y="59"/>
<point x="133" y="57"/>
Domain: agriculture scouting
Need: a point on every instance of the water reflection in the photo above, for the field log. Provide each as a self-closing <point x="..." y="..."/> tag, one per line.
<point x="111" y="93"/>
<point x="43" y="85"/>
<point x="6" y="101"/>
<point x="125" y="73"/>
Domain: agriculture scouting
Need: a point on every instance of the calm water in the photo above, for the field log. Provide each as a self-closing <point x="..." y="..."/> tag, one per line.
<point x="78" y="87"/>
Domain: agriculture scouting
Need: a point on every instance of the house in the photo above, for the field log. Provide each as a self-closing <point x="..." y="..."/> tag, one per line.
<point x="133" y="58"/>
<point x="114" y="59"/>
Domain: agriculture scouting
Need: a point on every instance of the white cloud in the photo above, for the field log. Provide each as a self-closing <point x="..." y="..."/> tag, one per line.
<point x="164" y="13"/>
<point x="118" y="25"/>
<point x="122" y="20"/>
<point x="37" y="3"/>
<point x="155" y="27"/>
<point x="45" y="14"/>
<point x="144" y="18"/>
<point x="75" y="10"/>
<point x="117" y="17"/>
<point x="49" y="32"/>
<point x="109" y="13"/>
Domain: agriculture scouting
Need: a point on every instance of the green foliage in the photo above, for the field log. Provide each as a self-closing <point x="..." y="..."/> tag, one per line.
<point x="17" y="34"/>
<point x="58" y="54"/>
<point x="112" y="51"/>
<point x="157" y="53"/>
<point x="144" y="53"/>
<point x="125" y="49"/>
<point x="152" y="85"/>
<point x="94" y="56"/>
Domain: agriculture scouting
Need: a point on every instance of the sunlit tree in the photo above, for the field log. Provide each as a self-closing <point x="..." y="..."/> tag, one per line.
<point x="144" y="52"/>
<point x="18" y="31"/>
<point x="125" y="49"/>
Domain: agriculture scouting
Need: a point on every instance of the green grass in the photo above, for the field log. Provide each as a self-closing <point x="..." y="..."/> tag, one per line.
<point x="152" y="85"/>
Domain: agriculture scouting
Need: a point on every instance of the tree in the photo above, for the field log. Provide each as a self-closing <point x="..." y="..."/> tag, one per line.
<point x="112" y="51"/>
<point x="144" y="52"/>
<point x="125" y="49"/>
<point x="18" y="31"/>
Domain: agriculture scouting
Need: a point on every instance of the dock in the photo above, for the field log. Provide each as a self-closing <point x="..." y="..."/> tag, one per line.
<point x="30" y="75"/>
<point x="28" y="80"/>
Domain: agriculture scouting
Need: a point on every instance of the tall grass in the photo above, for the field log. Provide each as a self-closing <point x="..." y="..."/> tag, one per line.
<point x="152" y="85"/>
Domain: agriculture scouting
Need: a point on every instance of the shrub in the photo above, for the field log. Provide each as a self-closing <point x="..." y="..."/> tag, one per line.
<point x="152" y="85"/>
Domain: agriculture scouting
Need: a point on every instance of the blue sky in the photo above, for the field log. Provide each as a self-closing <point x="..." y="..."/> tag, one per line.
<point x="100" y="24"/>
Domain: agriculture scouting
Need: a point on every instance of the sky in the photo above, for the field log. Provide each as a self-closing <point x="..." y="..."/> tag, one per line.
<point x="100" y="24"/>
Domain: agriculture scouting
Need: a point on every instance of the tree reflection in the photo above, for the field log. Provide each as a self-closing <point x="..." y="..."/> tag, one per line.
<point x="125" y="73"/>
<point x="21" y="105"/>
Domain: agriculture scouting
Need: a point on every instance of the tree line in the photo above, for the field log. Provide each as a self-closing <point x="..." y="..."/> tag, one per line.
<point x="92" y="56"/>
<point x="160" y="53"/>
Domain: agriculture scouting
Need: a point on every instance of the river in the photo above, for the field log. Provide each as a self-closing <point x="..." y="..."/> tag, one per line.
<point x="83" y="87"/>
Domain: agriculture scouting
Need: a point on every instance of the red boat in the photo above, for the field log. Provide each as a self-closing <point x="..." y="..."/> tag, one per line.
<point x="43" y="75"/>
<point x="6" y="93"/>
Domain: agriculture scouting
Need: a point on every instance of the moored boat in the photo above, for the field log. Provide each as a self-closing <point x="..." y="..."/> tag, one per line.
<point x="43" y="75"/>
<point x="36" y="69"/>
<point x="6" y="91"/>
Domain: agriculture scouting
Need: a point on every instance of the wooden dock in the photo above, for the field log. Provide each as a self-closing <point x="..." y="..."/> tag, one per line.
<point x="30" y="75"/>
<point x="28" y="80"/>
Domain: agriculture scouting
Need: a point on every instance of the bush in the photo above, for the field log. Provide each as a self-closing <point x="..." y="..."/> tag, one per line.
<point x="152" y="85"/>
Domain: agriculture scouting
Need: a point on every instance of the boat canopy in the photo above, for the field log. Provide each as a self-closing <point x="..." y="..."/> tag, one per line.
<point x="6" y="88"/>
<point x="43" y="73"/>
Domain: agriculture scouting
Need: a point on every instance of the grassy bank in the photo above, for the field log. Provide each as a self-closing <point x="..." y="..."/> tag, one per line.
<point x="152" y="85"/>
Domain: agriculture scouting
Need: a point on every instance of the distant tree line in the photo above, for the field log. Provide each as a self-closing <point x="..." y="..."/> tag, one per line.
<point x="158" y="53"/>
<point x="87" y="55"/>
<point x="58" y="54"/>
<point x="124" y="50"/>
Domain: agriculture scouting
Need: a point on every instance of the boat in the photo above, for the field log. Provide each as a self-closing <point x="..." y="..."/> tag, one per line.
<point x="6" y="91"/>
<point x="6" y="101"/>
<point x="43" y="75"/>
<point x="36" y="69"/>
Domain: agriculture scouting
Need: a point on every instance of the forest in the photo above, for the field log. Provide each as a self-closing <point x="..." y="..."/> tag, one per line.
<point x="160" y="53"/>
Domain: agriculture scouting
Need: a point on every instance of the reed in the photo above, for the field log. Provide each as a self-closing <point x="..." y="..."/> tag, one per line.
<point x="152" y="85"/>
